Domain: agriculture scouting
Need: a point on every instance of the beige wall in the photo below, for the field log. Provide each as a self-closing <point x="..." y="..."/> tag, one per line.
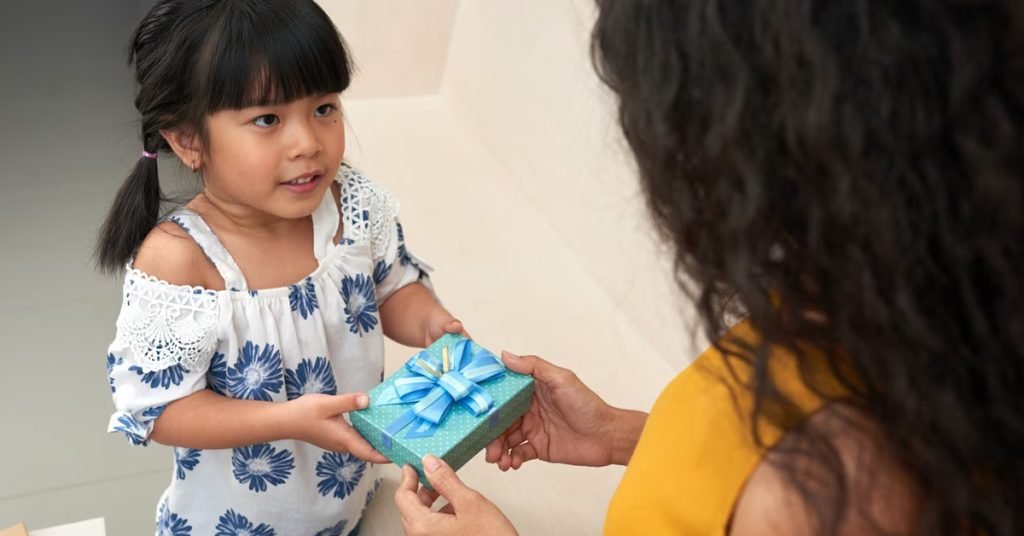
<point x="400" y="46"/>
<point x="519" y="74"/>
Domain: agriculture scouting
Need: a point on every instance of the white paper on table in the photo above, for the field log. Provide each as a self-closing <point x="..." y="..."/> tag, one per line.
<point x="89" y="527"/>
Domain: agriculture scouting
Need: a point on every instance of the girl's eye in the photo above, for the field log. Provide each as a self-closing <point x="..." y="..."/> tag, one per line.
<point x="325" y="110"/>
<point x="265" y="121"/>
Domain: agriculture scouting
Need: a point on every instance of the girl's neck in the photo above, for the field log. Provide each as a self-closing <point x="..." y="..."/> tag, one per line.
<point x="228" y="217"/>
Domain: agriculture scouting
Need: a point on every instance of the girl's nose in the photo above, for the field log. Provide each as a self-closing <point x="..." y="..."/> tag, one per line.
<point x="304" y="142"/>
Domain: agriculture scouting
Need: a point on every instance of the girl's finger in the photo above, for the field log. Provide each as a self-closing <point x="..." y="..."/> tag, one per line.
<point x="361" y="449"/>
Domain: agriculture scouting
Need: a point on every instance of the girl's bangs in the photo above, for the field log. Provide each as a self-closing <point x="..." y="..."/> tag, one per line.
<point x="269" y="58"/>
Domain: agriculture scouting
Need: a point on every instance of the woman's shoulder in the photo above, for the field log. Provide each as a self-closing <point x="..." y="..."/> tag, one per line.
<point x="168" y="253"/>
<point x="880" y="496"/>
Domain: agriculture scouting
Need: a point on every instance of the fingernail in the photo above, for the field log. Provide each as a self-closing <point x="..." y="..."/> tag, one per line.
<point x="362" y="401"/>
<point x="510" y="355"/>
<point x="431" y="463"/>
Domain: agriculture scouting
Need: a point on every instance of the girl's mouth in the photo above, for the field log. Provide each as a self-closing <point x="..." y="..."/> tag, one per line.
<point x="302" y="185"/>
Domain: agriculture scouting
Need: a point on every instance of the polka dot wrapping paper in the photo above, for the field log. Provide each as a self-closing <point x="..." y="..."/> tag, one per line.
<point x="460" y="434"/>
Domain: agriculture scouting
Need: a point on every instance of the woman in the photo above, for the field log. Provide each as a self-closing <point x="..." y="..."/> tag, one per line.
<point x="848" y="177"/>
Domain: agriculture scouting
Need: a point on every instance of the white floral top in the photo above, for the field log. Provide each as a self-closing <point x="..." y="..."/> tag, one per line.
<point x="321" y="335"/>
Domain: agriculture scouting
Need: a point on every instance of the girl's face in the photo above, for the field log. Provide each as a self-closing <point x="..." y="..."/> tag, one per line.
<point x="277" y="160"/>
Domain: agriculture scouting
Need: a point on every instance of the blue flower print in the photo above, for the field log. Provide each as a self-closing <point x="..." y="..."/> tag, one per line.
<point x="360" y="303"/>
<point x="258" y="465"/>
<point x="180" y="223"/>
<point x="185" y="460"/>
<point x="161" y="378"/>
<point x="369" y="496"/>
<point x="380" y="272"/>
<point x="257" y="373"/>
<point x="152" y="413"/>
<point x="254" y="293"/>
<point x="217" y="375"/>
<point x="403" y="254"/>
<point x="111" y="363"/>
<point x="135" y="431"/>
<point x="336" y="530"/>
<point x="302" y="297"/>
<point x="310" y="377"/>
<point x="235" y="524"/>
<point x="341" y="473"/>
<point x="171" y="524"/>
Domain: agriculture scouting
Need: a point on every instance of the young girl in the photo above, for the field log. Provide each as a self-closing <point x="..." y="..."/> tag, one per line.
<point x="253" y="317"/>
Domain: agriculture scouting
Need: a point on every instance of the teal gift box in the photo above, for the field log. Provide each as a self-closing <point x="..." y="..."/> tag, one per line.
<point x="449" y="400"/>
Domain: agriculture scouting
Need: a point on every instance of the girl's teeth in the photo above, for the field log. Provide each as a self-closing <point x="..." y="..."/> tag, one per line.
<point x="301" y="181"/>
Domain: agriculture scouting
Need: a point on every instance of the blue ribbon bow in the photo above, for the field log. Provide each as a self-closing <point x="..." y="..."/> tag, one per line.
<point x="436" y="385"/>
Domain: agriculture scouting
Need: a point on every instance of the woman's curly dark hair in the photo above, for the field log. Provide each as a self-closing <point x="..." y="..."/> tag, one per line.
<point x="851" y="173"/>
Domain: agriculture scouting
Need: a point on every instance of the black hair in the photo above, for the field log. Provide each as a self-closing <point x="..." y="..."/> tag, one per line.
<point x="851" y="173"/>
<point x="196" y="57"/>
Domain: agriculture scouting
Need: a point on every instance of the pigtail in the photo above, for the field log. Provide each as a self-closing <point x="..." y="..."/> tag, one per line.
<point x="136" y="207"/>
<point x="134" y="213"/>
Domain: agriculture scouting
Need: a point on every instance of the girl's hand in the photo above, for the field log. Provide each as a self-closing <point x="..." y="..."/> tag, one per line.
<point x="467" y="512"/>
<point x="317" y="419"/>
<point x="566" y="422"/>
<point x="439" y="323"/>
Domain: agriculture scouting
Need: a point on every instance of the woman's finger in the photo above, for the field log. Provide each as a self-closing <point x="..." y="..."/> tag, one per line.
<point x="495" y="449"/>
<point x="427" y="496"/>
<point x="516" y="437"/>
<point x="406" y="499"/>
<point x="447" y="484"/>
<point x="501" y="445"/>
<point x="522" y="453"/>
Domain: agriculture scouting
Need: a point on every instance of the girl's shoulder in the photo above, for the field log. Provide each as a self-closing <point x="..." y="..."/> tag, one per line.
<point x="169" y="253"/>
<point x="368" y="210"/>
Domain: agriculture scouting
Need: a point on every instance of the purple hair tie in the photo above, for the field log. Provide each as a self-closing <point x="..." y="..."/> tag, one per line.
<point x="149" y="155"/>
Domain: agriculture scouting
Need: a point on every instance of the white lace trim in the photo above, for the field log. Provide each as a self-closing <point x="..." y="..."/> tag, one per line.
<point x="368" y="211"/>
<point x="164" y="325"/>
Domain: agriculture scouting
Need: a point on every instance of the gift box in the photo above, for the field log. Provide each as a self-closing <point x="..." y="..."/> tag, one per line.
<point x="449" y="400"/>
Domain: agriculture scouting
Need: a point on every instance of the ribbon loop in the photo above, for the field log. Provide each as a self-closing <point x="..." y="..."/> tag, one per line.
<point x="456" y="384"/>
<point x="434" y="386"/>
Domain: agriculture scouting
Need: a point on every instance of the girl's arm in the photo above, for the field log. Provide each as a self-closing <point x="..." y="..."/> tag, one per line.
<point x="207" y="420"/>
<point x="413" y="317"/>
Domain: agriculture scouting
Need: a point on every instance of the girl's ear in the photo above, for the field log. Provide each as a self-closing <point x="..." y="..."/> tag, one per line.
<point x="185" y="145"/>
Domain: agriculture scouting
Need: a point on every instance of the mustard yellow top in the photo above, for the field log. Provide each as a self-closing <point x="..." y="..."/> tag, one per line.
<point x="696" y="450"/>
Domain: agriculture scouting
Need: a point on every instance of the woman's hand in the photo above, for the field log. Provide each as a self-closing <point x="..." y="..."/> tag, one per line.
<point x="566" y="422"/>
<point x="317" y="419"/>
<point x="467" y="512"/>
